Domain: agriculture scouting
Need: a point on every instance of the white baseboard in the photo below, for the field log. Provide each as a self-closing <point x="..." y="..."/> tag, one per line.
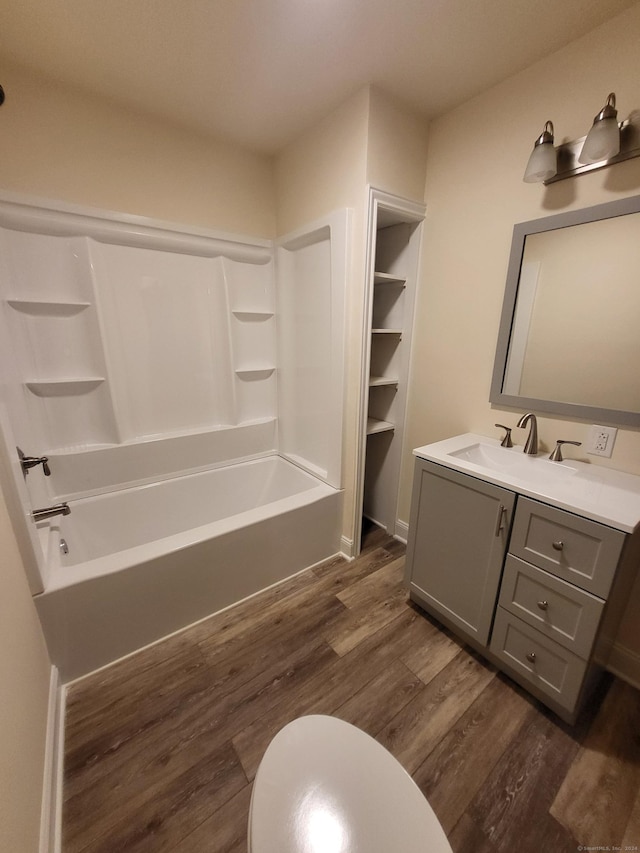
<point x="346" y="547"/>
<point x="402" y="531"/>
<point x="51" y="814"/>
<point x="625" y="664"/>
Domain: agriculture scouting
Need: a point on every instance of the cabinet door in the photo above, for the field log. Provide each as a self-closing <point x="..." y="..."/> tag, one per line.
<point x="458" y="536"/>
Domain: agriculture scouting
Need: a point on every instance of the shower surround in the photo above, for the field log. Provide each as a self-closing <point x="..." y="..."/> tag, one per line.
<point x="145" y="361"/>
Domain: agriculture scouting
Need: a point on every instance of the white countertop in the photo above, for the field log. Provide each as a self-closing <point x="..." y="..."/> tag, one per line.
<point x="601" y="494"/>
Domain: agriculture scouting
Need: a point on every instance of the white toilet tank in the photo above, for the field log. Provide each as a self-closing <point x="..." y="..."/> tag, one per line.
<point x="324" y="786"/>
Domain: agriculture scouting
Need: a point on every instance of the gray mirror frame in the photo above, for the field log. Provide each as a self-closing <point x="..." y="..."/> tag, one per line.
<point x="595" y="414"/>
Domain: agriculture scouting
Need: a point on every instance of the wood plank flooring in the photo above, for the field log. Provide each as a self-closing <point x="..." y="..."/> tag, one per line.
<point x="161" y="748"/>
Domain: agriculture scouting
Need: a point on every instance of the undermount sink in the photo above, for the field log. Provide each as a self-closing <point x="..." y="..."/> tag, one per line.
<point x="513" y="461"/>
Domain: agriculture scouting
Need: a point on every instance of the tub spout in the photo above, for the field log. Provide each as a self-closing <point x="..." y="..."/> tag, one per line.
<point x="50" y="511"/>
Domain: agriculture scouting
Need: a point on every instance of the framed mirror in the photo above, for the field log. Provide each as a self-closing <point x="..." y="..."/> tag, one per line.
<point x="569" y="337"/>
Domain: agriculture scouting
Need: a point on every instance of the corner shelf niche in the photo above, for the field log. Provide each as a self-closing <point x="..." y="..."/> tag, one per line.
<point x="45" y="308"/>
<point x="252" y="316"/>
<point x="65" y="387"/>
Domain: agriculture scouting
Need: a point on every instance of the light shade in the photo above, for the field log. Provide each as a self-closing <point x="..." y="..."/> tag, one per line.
<point x="543" y="162"/>
<point x="603" y="140"/>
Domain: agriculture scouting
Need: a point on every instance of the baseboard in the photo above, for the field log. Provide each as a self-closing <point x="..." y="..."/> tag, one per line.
<point x="625" y="664"/>
<point x="402" y="531"/>
<point x="51" y="814"/>
<point x="346" y="547"/>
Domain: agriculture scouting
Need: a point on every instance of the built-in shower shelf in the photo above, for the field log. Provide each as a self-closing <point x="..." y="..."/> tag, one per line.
<point x="252" y="373"/>
<point x="379" y="381"/>
<point x="42" y="308"/>
<point x="65" y="387"/>
<point x="252" y="316"/>
<point x="386" y="278"/>
<point x="375" y="426"/>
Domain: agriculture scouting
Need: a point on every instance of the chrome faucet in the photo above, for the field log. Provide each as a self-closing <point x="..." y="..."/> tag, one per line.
<point x="50" y="511"/>
<point x="531" y="444"/>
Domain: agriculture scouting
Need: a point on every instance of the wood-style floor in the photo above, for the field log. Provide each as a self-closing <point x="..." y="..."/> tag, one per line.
<point x="162" y="748"/>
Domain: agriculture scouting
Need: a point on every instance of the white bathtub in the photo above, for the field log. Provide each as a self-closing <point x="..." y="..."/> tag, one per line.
<point x="146" y="561"/>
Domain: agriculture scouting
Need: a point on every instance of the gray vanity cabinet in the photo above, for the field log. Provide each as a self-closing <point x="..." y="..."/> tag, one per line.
<point x="458" y="535"/>
<point x="540" y="597"/>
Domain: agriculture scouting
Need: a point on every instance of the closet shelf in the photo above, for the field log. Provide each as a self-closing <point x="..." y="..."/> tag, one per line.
<point x="378" y="381"/>
<point x="386" y="332"/>
<point x="65" y="387"/>
<point x="44" y="308"/>
<point x="374" y="426"/>
<point x="386" y="278"/>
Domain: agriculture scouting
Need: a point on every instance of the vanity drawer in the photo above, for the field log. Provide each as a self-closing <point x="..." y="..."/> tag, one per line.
<point x="576" y="549"/>
<point x="556" y="608"/>
<point x="537" y="660"/>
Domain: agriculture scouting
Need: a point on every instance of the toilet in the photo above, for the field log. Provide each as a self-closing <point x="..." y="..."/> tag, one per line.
<point x="324" y="786"/>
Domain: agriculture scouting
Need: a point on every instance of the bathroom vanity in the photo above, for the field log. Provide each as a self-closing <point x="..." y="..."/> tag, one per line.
<point x="529" y="561"/>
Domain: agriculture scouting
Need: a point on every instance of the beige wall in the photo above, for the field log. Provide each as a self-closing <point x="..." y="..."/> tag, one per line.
<point x="24" y="675"/>
<point x="474" y="195"/>
<point x="324" y="170"/>
<point x="64" y="145"/>
<point x="397" y="147"/>
<point x="369" y="139"/>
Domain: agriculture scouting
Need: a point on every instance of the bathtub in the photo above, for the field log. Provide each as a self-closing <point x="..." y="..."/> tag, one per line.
<point x="148" y="560"/>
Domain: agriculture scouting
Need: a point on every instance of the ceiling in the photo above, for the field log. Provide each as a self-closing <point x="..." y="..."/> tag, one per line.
<point x="257" y="72"/>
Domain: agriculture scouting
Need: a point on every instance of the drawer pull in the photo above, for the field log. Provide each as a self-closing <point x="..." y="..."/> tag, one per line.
<point x="531" y="657"/>
<point x="558" y="546"/>
<point x="543" y="605"/>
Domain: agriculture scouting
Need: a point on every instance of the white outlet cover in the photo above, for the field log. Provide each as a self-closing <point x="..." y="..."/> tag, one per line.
<point x="601" y="440"/>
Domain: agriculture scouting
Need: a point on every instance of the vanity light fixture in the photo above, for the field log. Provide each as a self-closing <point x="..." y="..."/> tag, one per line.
<point x="608" y="142"/>
<point x="603" y="140"/>
<point x="543" y="163"/>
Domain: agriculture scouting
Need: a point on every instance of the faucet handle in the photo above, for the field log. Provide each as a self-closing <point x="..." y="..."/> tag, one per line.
<point x="28" y="462"/>
<point x="506" y="440"/>
<point x="556" y="456"/>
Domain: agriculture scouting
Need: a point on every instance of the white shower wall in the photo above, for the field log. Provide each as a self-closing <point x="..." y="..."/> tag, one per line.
<point x="137" y="349"/>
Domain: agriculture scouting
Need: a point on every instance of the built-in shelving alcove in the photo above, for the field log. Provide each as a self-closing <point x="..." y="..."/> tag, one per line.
<point x="394" y="233"/>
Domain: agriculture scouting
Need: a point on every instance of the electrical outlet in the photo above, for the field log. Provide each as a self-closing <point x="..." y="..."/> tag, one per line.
<point x="601" y="440"/>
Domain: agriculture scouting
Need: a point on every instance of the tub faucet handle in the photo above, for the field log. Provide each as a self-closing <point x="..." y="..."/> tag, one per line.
<point x="506" y="438"/>
<point x="31" y="461"/>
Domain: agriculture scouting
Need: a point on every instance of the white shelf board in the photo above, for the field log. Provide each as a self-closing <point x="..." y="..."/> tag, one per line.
<point x="377" y="381"/>
<point x="386" y="331"/>
<point x="374" y="426"/>
<point x="386" y="278"/>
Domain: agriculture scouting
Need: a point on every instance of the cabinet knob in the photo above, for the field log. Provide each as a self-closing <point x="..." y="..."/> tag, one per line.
<point x="558" y="546"/>
<point x="531" y="657"/>
<point x="543" y="605"/>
